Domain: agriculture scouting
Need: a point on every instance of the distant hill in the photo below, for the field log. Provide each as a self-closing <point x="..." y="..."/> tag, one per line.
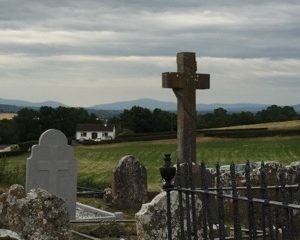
<point x="235" y="107"/>
<point x="114" y="109"/>
<point x="172" y="106"/>
<point x="297" y="108"/>
<point x="21" y="103"/>
<point x="145" y="102"/>
<point x="9" y="108"/>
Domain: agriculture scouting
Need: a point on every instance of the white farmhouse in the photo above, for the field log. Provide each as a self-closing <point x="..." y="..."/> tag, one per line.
<point x="95" y="132"/>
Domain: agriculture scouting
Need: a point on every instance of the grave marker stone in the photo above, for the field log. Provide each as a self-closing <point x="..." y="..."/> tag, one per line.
<point x="52" y="166"/>
<point x="184" y="83"/>
<point x="129" y="183"/>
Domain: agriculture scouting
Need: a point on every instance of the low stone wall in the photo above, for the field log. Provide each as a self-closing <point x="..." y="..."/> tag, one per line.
<point x="152" y="218"/>
<point x="35" y="215"/>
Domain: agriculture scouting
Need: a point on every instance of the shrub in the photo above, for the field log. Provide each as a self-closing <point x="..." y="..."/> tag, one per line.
<point x="26" y="146"/>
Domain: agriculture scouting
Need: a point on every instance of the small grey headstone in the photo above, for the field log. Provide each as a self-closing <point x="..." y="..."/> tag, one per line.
<point x="129" y="183"/>
<point x="52" y="166"/>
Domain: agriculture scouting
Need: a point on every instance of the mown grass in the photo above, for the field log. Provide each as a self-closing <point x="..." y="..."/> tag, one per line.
<point x="293" y="124"/>
<point x="95" y="163"/>
<point x="281" y="149"/>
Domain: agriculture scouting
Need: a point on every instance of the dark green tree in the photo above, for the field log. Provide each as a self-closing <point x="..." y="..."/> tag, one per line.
<point x="242" y="118"/>
<point x="163" y="121"/>
<point x="137" y="119"/>
<point x="27" y="124"/>
<point x="30" y="123"/>
<point x="276" y="113"/>
<point x="8" y="132"/>
<point x="67" y="118"/>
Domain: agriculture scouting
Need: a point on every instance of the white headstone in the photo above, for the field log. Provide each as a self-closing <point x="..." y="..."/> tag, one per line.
<point x="52" y="166"/>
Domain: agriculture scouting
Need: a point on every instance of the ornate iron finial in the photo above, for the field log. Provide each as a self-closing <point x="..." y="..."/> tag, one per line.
<point x="167" y="172"/>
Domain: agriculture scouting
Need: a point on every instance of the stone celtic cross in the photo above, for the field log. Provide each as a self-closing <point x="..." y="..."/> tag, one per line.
<point x="184" y="83"/>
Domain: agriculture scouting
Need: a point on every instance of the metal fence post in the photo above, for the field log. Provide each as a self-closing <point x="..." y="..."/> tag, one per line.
<point x="251" y="210"/>
<point x="168" y="173"/>
<point x="235" y="203"/>
<point x="221" y="211"/>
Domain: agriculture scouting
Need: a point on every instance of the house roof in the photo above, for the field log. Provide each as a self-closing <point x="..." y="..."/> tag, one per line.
<point x="95" y="127"/>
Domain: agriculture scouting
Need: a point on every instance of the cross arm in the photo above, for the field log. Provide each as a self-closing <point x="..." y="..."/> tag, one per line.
<point x="178" y="80"/>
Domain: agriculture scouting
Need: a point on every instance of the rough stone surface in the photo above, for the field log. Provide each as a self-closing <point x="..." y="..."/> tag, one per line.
<point x="184" y="83"/>
<point x="293" y="173"/>
<point x="271" y="169"/>
<point x="52" y="166"/>
<point x="197" y="183"/>
<point x="7" y="235"/>
<point x="152" y="218"/>
<point x="35" y="215"/>
<point x="226" y="179"/>
<point x="196" y="175"/>
<point x="129" y="184"/>
<point x="107" y="196"/>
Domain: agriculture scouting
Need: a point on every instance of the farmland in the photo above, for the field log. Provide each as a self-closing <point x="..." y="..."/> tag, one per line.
<point x="7" y="116"/>
<point x="294" y="124"/>
<point x="96" y="162"/>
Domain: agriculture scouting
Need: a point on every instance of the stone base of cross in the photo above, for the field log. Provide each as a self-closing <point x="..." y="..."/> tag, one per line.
<point x="184" y="83"/>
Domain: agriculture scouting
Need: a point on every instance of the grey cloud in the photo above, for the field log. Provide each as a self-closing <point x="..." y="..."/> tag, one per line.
<point x="262" y="31"/>
<point x="228" y="29"/>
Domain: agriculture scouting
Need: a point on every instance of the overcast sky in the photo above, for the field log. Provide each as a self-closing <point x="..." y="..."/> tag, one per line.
<point x="87" y="52"/>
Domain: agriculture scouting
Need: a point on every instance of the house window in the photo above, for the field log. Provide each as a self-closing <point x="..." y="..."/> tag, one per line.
<point x="83" y="134"/>
<point x="105" y="134"/>
<point x="94" y="135"/>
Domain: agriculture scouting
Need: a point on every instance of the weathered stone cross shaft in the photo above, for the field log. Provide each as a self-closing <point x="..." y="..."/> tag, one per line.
<point x="184" y="83"/>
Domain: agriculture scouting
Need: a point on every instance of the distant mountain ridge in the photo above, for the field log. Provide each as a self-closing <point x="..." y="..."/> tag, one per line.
<point x="118" y="107"/>
<point x="297" y="108"/>
<point x="9" y="108"/>
<point x="144" y="102"/>
<point x="235" y="107"/>
<point x="22" y="103"/>
<point x="172" y="106"/>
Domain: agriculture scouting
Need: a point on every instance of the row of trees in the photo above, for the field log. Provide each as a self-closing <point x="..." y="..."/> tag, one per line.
<point x="142" y="120"/>
<point x="29" y="123"/>
<point x="221" y="118"/>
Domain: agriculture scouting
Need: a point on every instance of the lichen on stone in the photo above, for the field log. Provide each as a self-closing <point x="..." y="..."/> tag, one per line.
<point x="30" y="217"/>
<point x="152" y="217"/>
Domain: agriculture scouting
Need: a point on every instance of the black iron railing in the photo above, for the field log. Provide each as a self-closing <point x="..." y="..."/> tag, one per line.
<point x="232" y="210"/>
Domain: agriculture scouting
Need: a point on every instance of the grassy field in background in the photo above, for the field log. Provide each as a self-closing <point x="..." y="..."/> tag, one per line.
<point x="95" y="163"/>
<point x="295" y="124"/>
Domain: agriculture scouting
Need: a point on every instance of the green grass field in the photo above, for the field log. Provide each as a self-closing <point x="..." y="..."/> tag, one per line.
<point x="96" y="162"/>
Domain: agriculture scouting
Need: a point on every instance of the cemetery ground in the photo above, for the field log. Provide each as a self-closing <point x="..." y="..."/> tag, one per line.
<point x="95" y="163"/>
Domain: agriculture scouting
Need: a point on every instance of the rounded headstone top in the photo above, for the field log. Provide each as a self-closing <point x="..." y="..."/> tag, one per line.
<point x="127" y="159"/>
<point x="53" y="137"/>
